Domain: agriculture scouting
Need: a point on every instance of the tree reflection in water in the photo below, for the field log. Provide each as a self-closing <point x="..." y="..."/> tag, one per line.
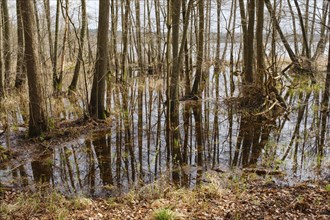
<point x="134" y="151"/>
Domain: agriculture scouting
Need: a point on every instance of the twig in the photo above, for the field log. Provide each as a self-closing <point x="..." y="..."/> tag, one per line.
<point x="267" y="110"/>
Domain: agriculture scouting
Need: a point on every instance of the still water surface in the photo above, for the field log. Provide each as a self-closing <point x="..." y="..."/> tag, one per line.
<point x="134" y="152"/>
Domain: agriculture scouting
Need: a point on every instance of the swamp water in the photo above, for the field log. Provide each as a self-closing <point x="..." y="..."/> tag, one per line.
<point x="133" y="151"/>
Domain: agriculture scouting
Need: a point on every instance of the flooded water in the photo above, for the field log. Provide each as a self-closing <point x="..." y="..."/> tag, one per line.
<point x="214" y="134"/>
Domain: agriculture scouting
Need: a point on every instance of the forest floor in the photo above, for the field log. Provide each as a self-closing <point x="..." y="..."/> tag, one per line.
<point x="221" y="195"/>
<point x="248" y="197"/>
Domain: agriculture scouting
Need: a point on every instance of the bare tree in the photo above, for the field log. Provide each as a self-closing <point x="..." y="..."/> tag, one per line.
<point x="38" y="122"/>
<point x="97" y="105"/>
<point x="73" y="85"/>
<point x="138" y="35"/>
<point x="20" y="66"/>
<point x="54" y="55"/>
<point x="303" y="30"/>
<point x="200" y="50"/>
<point x="6" y="42"/>
<point x="173" y="101"/>
<point x="65" y="14"/>
<point x="248" y="39"/>
<point x="295" y="61"/>
<point x="325" y="103"/>
<point x="259" y="41"/>
<point x="2" y="89"/>
<point x="321" y="44"/>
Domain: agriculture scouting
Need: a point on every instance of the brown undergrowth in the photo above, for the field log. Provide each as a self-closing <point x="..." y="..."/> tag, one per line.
<point x="221" y="197"/>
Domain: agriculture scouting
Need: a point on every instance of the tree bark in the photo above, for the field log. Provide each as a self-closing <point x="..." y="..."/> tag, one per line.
<point x="321" y="44"/>
<point x="174" y="100"/>
<point x="325" y="106"/>
<point x="20" y="67"/>
<point x="303" y="30"/>
<point x="2" y="89"/>
<point x="259" y="41"/>
<point x="97" y="105"/>
<point x="249" y="44"/>
<point x="6" y="42"/>
<point x="113" y="45"/>
<point x="59" y="77"/>
<point x="158" y="39"/>
<point x="217" y="50"/>
<point x="49" y="30"/>
<point x="295" y="38"/>
<point x="200" y="50"/>
<point x="138" y="36"/>
<point x="38" y="122"/>
<point x="175" y="9"/>
<point x="74" y="82"/>
<point x="54" y="55"/>
<point x="248" y="39"/>
<point x="125" y="22"/>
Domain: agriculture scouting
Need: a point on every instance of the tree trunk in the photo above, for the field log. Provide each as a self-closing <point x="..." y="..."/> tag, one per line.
<point x="74" y="82"/>
<point x="174" y="105"/>
<point x="167" y="74"/>
<point x="321" y="44"/>
<point x="184" y="46"/>
<point x="295" y="38"/>
<point x="6" y="42"/>
<point x="40" y="38"/>
<point x="54" y="55"/>
<point x="303" y="30"/>
<point x="217" y="50"/>
<point x="20" y="67"/>
<point x="158" y="39"/>
<point x="38" y="122"/>
<point x="138" y="37"/>
<point x="49" y="30"/>
<point x="259" y="41"/>
<point x="232" y="39"/>
<point x="65" y="14"/>
<point x="97" y="106"/>
<point x="114" y="21"/>
<point x="325" y="106"/>
<point x="2" y="90"/>
<point x="125" y="22"/>
<point x="249" y="44"/>
<point x="292" y="56"/>
<point x="199" y="71"/>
